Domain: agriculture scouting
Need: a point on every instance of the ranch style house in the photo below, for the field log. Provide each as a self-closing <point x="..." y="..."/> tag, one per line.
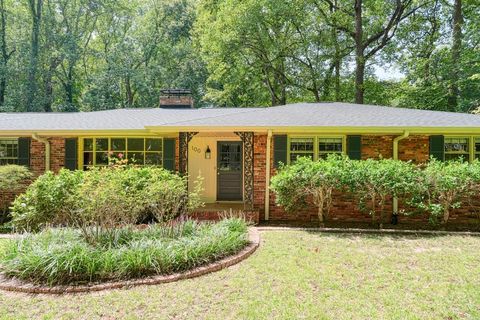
<point x="238" y="150"/>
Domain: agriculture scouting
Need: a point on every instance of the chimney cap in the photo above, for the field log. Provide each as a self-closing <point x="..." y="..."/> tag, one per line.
<point x="176" y="92"/>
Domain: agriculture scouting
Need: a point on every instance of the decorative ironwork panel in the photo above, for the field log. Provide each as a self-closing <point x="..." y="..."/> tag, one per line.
<point x="247" y="138"/>
<point x="184" y="138"/>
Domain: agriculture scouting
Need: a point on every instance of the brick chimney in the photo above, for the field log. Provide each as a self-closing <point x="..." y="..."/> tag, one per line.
<point x="176" y="98"/>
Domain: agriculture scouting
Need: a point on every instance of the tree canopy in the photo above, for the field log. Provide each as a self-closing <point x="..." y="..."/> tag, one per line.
<point x="82" y="55"/>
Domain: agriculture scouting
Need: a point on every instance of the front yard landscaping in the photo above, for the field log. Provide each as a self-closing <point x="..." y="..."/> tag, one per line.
<point x="298" y="275"/>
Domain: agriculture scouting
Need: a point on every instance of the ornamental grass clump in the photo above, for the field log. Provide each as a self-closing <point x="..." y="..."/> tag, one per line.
<point x="63" y="256"/>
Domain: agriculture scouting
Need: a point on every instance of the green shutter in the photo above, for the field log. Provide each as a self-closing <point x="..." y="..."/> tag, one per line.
<point x="280" y="150"/>
<point x="437" y="147"/>
<point x="71" y="153"/>
<point x="24" y="152"/>
<point x="169" y="154"/>
<point x="354" y="147"/>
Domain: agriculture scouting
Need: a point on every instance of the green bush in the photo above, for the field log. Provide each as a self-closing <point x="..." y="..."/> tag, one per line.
<point x="102" y="198"/>
<point x="375" y="181"/>
<point x="12" y="178"/>
<point x="443" y="185"/>
<point x="62" y="256"/>
<point x="306" y="180"/>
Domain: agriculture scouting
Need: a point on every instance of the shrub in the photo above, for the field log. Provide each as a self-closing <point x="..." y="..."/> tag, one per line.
<point x="295" y="185"/>
<point x="442" y="185"/>
<point x="12" y="178"/>
<point x="102" y="198"/>
<point x="62" y="256"/>
<point x="374" y="181"/>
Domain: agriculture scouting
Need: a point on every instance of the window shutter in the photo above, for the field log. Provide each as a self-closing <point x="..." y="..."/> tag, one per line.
<point x="24" y="152"/>
<point x="169" y="154"/>
<point x="280" y="150"/>
<point x="437" y="147"/>
<point x="354" y="147"/>
<point x="71" y="154"/>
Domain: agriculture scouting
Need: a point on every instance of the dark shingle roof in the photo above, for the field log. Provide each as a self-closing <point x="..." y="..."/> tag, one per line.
<point x="293" y="115"/>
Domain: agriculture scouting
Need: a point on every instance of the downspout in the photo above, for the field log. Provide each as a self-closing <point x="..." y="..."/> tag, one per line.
<point x="267" y="175"/>
<point x="395" y="157"/>
<point x="47" y="150"/>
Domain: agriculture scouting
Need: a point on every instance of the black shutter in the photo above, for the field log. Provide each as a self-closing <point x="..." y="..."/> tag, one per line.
<point x="280" y="150"/>
<point x="437" y="147"/>
<point x="71" y="154"/>
<point x="169" y="154"/>
<point x="354" y="147"/>
<point x="24" y="152"/>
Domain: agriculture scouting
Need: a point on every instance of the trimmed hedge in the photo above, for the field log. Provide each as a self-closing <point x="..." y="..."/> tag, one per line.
<point x="435" y="187"/>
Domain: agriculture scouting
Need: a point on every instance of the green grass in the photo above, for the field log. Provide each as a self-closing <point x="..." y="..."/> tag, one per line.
<point x="64" y="256"/>
<point x="299" y="275"/>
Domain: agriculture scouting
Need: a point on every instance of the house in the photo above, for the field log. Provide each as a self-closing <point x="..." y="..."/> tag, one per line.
<point x="237" y="150"/>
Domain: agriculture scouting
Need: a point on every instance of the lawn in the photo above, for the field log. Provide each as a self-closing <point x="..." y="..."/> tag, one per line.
<point x="299" y="275"/>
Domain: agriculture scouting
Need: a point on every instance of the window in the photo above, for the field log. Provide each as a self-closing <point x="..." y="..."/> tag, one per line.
<point x="328" y="146"/>
<point x="457" y="148"/>
<point x="301" y="147"/>
<point x="305" y="147"/>
<point x="8" y="151"/>
<point x="141" y="151"/>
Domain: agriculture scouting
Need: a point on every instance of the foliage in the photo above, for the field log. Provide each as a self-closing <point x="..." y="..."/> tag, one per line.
<point x="102" y="198"/>
<point x="62" y="256"/>
<point x="60" y="55"/>
<point x="443" y="185"/>
<point x="376" y="181"/>
<point x="436" y="187"/>
<point x="310" y="180"/>
<point x="12" y="178"/>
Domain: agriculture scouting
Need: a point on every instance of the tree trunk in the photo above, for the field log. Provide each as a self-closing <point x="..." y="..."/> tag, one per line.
<point x="36" y="11"/>
<point x="5" y="55"/>
<point x="128" y="92"/>
<point x="457" y="22"/>
<point x="359" y="53"/>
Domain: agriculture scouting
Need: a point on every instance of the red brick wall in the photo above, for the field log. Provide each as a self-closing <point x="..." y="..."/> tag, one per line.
<point x="415" y="148"/>
<point x="37" y="162"/>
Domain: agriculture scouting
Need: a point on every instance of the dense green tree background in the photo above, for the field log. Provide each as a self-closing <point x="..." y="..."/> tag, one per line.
<point x="82" y="55"/>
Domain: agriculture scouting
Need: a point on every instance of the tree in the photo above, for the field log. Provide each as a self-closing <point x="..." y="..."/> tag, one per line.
<point x="457" y="22"/>
<point x="6" y="52"/>
<point x="35" y="8"/>
<point x="384" y="20"/>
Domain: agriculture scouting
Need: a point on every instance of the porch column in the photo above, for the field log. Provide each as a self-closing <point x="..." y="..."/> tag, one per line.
<point x="247" y="138"/>
<point x="183" y="140"/>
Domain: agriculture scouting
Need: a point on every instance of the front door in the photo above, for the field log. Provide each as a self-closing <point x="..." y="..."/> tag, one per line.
<point x="229" y="171"/>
